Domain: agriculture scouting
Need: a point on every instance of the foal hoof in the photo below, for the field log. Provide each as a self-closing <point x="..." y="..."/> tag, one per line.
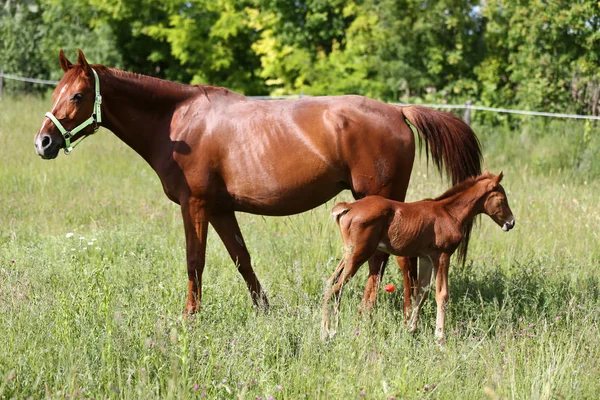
<point x="327" y="334"/>
<point x="440" y="344"/>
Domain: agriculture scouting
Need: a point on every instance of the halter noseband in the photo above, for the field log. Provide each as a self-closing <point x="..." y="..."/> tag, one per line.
<point x="95" y="118"/>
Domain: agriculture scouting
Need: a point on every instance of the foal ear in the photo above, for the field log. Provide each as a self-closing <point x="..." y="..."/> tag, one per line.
<point x="499" y="177"/>
<point x="65" y="64"/>
<point x="83" y="62"/>
<point x="496" y="181"/>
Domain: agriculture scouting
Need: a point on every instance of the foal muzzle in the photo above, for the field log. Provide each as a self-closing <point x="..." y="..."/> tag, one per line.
<point x="508" y="225"/>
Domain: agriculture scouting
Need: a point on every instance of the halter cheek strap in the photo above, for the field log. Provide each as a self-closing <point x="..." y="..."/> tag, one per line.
<point x="95" y="118"/>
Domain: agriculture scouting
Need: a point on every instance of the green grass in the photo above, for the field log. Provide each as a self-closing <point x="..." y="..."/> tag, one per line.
<point x="103" y="320"/>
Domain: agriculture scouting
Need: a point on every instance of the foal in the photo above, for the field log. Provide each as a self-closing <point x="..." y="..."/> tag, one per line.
<point x="427" y="228"/>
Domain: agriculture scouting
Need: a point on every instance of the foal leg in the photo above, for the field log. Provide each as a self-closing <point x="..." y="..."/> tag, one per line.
<point x="421" y="292"/>
<point x="195" y="222"/>
<point x="441" y="266"/>
<point x="345" y="270"/>
<point x="408" y="266"/>
<point x="333" y="279"/>
<point x="227" y="228"/>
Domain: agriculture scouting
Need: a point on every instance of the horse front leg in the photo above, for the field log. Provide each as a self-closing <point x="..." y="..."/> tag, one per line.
<point x="195" y="222"/>
<point x="227" y="228"/>
<point x="441" y="265"/>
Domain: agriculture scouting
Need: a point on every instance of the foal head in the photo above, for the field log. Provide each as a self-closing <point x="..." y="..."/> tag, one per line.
<point x="495" y="204"/>
<point x="74" y="103"/>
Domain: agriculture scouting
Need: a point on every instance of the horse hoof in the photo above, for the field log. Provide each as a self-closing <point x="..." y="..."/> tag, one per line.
<point x="189" y="312"/>
<point x="412" y="328"/>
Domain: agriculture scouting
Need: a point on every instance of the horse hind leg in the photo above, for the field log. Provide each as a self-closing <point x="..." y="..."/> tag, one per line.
<point x="227" y="228"/>
<point x="377" y="264"/>
<point x="408" y="265"/>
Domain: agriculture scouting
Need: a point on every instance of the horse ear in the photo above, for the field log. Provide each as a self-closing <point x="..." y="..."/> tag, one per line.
<point x="83" y="62"/>
<point x="65" y="64"/>
<point x="485" y="172"/>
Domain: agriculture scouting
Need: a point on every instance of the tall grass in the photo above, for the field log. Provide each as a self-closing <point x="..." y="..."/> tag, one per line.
<point x="98" y="314"/>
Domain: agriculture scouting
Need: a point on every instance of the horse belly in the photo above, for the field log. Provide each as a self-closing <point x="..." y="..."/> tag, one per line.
<point x="288" y="198"/>
<point x="282" y="184"/>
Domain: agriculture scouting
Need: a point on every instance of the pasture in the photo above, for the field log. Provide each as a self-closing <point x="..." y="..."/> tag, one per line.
<point x="93" y="285"/>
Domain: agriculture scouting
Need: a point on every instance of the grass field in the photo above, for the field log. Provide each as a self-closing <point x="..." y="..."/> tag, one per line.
<point x="93" y="284"/>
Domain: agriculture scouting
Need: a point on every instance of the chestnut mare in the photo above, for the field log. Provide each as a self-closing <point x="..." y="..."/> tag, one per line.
<point x="217" y="152"/>
<point x="427" y="228"/>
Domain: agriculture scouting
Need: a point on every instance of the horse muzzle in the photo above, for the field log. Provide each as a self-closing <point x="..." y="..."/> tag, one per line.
<point x="508" y="225"/>
<point x="45" y="147"/>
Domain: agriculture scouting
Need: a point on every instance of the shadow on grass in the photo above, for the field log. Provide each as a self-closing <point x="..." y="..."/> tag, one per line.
<point x="492" y="294"/>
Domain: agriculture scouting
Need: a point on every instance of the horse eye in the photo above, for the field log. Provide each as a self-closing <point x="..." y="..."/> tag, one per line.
<point x="77" y="97"/>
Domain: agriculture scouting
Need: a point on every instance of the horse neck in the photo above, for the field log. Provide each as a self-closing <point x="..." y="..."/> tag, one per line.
<point x="138" y="110"/>
<point x="465" y="205"/>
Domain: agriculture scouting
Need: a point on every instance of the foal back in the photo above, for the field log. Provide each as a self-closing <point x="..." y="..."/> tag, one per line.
<point x="400" y="229"/>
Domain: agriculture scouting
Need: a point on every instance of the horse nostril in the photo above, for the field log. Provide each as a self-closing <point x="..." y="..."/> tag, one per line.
<point x="46" y="142"/>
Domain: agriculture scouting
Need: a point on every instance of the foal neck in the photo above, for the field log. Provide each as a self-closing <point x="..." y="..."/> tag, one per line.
<point x="463" y="203"/>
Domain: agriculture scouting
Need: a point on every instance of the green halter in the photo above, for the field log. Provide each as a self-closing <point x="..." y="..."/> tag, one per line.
<point x="95" y="118"/>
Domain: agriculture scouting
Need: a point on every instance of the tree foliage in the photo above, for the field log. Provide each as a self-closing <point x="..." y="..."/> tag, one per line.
<point x="535" y="54"/>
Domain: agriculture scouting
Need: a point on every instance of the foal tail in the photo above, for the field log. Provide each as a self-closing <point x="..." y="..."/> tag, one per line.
<point x="339" y="210"/>
<point x="453" y="147"/>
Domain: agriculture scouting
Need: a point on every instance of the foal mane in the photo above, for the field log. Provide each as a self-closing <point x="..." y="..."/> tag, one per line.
<point x="464" y="185"/>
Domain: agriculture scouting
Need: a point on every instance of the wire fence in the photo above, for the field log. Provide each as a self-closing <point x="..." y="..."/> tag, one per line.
<point x="32" y="80"/>
<point x="468" y="106"/>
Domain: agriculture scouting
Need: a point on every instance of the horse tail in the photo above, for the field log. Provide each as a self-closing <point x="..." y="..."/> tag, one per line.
<point x="453" y="147"/>
<point x="339" y="210"/>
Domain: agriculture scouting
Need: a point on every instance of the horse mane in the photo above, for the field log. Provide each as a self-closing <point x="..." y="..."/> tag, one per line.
<point x="147" y="80"/>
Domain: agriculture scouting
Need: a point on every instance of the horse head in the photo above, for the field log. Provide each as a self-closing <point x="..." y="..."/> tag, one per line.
<point x="76" y="109"/>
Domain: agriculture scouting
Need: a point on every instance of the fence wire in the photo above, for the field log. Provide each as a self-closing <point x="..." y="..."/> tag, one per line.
<point x="439" y="106"/>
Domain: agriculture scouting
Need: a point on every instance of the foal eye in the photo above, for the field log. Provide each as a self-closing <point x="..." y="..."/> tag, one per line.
<point x="77" y="97"/>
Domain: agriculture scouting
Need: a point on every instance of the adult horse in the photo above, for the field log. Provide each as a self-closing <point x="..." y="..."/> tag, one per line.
<point x="217" y="152"/>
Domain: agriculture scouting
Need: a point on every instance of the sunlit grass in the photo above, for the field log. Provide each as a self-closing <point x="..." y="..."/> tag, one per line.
<point x="98" y="313"/>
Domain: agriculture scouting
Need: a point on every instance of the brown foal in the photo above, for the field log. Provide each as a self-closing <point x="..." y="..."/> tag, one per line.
<point x="430" y="229"/>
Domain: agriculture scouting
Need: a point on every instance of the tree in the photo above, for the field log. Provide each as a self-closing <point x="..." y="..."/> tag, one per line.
<point x="542" y="55"/>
